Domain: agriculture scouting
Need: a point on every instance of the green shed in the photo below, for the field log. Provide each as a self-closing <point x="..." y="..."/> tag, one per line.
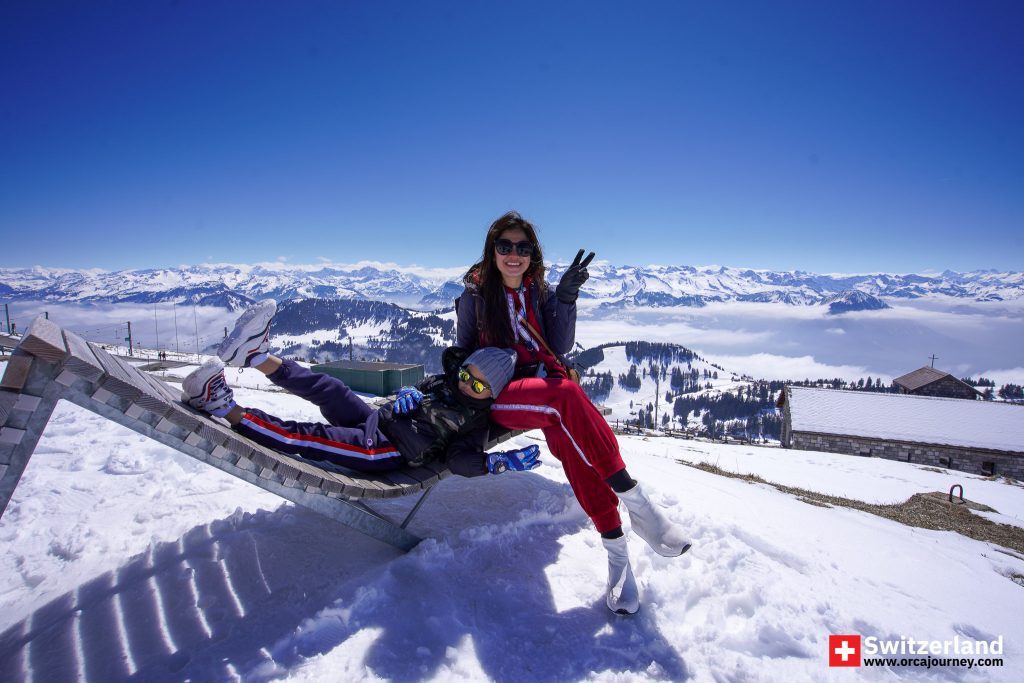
<point x="373" y="377"/>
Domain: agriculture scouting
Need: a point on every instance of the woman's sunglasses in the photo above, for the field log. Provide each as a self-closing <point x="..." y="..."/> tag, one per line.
<point x="505" y="247"/>
<point x="477" y="385"/>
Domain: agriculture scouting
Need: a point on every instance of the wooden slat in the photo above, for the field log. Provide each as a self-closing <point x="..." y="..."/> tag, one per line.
<point x="313" y="480"/>
<point x="350" y="488"/>
<point x="243" y="448"/>
<point x="388" y="488"/>
<point x="260" y="457"/>
<point x="399" y="491"/>
<point x="180" y="417"/>
<point x="44" y="340"/>
<point x="146" y="395"/>
<point x="328" y="485"/>
<point x="115" y="380"/>
<point x="287" y="468"/>
<point x="127" y="381"/>
<point x="159" y="387"/>
<point x="312" y="475"/>
<point x="213" y="432"/>
<point x="357" y="485"/>
<point x="81" y="360"/>
<point x="17" y="371"/>
<point x="401" y="479"/>
<point x="376" y="482"/>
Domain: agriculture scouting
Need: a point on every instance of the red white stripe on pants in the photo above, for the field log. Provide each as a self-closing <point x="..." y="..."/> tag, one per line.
<point x="318" y="441"/>
<point x="576" y="433"/>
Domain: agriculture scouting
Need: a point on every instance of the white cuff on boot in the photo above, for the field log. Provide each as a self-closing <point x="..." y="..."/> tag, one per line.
<point x="622" y="596"/>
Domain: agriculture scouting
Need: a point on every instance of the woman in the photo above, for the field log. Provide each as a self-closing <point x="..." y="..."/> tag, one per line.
<point x="507" y="303"/>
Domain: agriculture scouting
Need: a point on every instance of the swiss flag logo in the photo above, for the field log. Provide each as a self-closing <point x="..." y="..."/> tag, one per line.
<point x="844" y="650"/>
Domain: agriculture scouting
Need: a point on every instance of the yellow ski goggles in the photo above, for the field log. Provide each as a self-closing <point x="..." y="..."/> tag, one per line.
<point x="477" y="385"/>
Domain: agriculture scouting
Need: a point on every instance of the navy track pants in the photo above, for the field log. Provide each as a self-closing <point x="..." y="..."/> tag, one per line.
<point x="350" y="437"/>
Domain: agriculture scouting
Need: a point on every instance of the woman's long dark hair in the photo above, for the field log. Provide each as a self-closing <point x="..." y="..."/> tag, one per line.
<point x="484" y="274"/>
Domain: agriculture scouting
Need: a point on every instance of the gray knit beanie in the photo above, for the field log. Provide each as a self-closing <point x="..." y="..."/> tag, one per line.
<point x="496" y="365"/>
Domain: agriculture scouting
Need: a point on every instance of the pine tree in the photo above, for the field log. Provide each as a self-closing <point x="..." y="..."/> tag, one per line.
<point x="631" y="380"/>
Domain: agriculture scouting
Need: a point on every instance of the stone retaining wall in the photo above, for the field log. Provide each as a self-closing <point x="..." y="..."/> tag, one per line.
<point x="974" y="460"/>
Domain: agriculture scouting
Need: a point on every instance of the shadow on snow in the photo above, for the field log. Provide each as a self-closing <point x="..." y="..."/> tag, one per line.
<point x="256" y="595"/>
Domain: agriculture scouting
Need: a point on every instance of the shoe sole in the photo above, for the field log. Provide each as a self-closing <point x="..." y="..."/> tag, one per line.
<point x="680" y="553"/>
<point x="622" y="611"/>
<point x="234" y="344"/>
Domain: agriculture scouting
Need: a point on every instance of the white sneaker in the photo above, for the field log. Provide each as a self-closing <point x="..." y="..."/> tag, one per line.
<point x="251" y="337"/>
<point x="622" y="596"/>
<point x="650" y="524"/>
<point x="206" y="389"/>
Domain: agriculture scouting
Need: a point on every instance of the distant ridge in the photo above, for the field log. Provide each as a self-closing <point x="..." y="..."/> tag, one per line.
<point x="610" y="287"/>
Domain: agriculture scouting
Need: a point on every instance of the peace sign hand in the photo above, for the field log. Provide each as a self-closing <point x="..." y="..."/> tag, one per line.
<point x="575" y="275"/>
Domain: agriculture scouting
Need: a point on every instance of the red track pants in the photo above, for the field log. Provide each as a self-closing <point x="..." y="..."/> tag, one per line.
<point x="577" y="435"/>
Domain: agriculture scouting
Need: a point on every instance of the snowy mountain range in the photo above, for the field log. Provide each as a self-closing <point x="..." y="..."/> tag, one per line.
<point x="610" y="287"/>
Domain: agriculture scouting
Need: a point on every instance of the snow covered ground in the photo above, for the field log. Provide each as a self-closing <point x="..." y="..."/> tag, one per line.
<point x="872" y="480"/>
<point x="120" y="557"/>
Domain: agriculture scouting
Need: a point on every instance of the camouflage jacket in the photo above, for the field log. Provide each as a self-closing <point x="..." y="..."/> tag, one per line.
<point x="448" y="426"/>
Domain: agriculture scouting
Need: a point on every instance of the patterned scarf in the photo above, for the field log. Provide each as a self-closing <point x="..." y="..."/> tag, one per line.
<point x="517" y="316"/>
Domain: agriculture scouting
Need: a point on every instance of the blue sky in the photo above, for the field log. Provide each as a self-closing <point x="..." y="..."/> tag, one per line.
<point x="821" y="136"/>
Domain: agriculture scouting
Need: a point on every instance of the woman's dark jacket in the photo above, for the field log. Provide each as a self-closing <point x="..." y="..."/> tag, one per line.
<point x="448" y="426"/>
<point x="557" y="320"/>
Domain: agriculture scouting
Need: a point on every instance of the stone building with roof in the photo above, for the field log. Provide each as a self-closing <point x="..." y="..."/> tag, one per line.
<point x="931" y="382"/>
<point x="981" y="437"/>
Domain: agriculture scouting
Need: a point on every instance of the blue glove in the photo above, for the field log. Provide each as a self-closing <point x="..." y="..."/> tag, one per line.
<point x="408" y="400"/>
<point x="523" y="459"/>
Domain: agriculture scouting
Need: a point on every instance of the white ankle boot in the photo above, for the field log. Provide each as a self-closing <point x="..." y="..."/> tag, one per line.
<point x="622" y="597"/>
<point x="651" y="525"/>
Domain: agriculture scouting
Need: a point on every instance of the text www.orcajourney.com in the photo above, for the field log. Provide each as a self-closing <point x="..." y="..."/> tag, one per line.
<point x="930" y="662"/>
